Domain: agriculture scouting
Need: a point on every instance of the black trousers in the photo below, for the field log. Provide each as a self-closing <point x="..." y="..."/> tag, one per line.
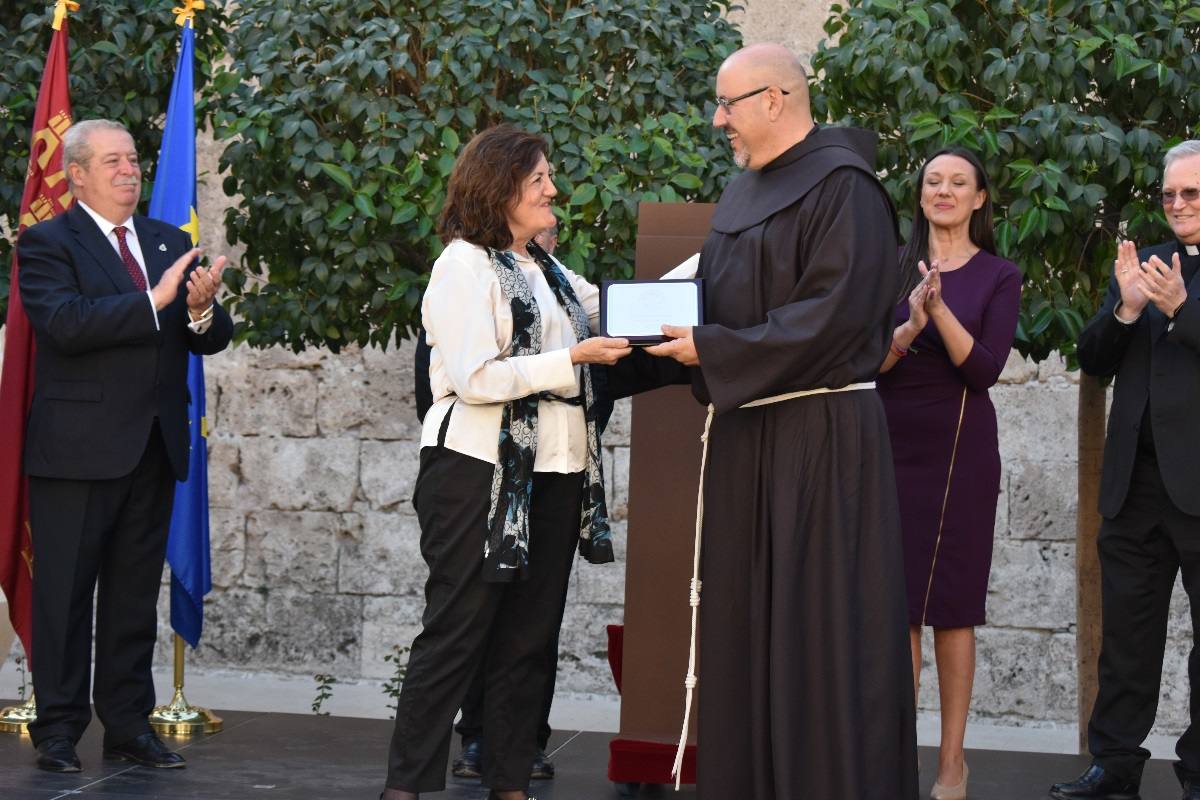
<point x="1141" y="551"/>
<point x="111" y="534"/>
<point x="469" y="622"/>
<point x="470" y="724"/>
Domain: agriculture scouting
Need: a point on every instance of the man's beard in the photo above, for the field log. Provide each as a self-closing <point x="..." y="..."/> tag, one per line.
<point x="741" y="157"/>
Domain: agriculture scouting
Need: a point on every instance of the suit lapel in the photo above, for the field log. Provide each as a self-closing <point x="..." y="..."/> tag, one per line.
<point x="154" y="249"/>
<point x="94" y="243"/>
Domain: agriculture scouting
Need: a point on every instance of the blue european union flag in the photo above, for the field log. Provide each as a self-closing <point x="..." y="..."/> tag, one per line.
<point x="174" y="201"/>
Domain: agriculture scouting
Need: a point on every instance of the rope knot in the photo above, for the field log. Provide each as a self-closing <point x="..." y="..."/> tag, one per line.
<point x="690" y="682"/>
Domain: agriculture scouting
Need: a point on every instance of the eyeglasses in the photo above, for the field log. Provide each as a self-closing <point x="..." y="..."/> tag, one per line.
<point x="727" y="103"/>
<point x="1189" y="195"/>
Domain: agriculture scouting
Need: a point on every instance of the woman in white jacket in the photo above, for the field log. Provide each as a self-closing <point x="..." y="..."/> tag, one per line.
<point x="510" y="480"/>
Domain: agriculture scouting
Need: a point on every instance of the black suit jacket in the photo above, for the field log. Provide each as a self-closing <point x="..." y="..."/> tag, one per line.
<point x="1157" y="363"/>
<point x="103" y="371"/>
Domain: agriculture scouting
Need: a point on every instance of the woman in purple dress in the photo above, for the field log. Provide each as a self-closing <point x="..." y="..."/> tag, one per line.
<point x="950" y="344"/>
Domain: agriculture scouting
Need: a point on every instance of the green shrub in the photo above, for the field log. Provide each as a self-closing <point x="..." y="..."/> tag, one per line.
<point x="344" y="118"/>
<point x="1071" y="105"/>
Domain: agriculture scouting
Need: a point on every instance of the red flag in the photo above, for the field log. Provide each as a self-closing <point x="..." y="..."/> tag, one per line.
<point x="46" y="195"/>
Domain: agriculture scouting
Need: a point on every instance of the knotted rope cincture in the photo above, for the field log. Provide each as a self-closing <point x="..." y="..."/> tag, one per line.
<point x="689" y="683"/>
<point x="692" y="680"/>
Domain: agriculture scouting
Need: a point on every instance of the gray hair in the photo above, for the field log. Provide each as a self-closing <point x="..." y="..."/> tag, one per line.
<point x="77" y="148"/>
<point x="1185" y="149"/>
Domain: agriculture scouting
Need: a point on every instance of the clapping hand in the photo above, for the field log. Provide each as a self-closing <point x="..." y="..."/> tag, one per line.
<point x="918" y="315"/>
<point x="1163" y="285"/>
<point x="203" y="285"/>
<point x="163" y="293"/>
<point x="1128" y="272"/>
<point x="933" y="288"/>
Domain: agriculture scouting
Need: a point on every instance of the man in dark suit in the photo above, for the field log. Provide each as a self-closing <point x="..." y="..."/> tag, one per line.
<point x="116" y="307"/>
<point x="1147" y="335"/>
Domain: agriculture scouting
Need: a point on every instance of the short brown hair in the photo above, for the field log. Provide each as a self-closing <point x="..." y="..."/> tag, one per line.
<point x="484" y="184"/>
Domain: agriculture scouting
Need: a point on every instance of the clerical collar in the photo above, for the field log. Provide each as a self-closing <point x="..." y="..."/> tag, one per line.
<point x="796" y="151"/>
<point x="1191" y="249"/>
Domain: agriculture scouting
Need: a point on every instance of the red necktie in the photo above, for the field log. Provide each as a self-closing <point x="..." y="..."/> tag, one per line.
<point x="131" y="265"/>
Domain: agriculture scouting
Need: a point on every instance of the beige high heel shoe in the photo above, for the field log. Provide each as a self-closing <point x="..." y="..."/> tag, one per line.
<point x="958" y="792"/>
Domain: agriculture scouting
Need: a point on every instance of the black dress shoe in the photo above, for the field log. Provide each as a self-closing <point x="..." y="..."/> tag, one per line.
<point x="1096" y="784"/>
<point x="147" y="750"/>
<point x="57" y="754"/>
<point x="1191" y="788"/>
<point x="469" y="762"/>
<point x="543" y="767"/>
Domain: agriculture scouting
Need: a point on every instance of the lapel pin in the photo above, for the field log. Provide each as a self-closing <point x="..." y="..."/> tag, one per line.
<point x="162" y="247"/>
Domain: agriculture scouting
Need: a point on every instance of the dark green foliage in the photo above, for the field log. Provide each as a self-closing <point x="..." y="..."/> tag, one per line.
<point x="122" y="61"/>
<point x="1071" y="105"/>
<point x="345" y="116"/>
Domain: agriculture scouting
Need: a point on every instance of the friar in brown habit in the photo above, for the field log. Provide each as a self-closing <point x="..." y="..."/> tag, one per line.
<point x="806" y="687"/>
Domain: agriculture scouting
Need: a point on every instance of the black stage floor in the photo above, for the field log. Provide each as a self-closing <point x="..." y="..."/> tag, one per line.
<point x="292" y="757"/>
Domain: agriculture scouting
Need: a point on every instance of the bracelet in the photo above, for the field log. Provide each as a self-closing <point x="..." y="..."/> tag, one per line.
<point x="897" y="350"/>
<point x="207" y="315"/>
<point x="1178" y="308"/>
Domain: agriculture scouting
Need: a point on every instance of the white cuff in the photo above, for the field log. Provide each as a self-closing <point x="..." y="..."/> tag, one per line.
<point x="153" y="310"/>
<point x="201" y="325"/>
<point x="1125" y="321"/>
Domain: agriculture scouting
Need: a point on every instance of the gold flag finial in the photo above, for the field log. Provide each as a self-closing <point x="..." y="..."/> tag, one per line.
<point x="60" y="12"/>
<point x="187" y="13"/>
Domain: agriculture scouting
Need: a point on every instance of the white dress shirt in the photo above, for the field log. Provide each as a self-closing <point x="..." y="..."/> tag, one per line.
<point x="135" y="248"/>
<point x="469" y="326"/>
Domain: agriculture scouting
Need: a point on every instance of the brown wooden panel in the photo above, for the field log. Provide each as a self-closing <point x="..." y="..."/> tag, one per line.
<point x="663" y="476"/>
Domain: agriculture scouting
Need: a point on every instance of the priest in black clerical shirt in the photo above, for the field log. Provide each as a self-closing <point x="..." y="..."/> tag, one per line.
<point x="805" y="684"/>
<point x="1147" y="335"/>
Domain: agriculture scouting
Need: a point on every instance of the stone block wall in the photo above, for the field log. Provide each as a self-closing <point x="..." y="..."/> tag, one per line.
<point x="315" y="545"/>
<point x="317" y="567"/>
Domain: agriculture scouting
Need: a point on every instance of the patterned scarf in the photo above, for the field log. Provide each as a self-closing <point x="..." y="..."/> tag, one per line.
<point x="506" y="553"/>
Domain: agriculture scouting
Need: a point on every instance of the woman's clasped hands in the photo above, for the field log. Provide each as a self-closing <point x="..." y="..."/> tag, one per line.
<point x="925" y="299"/>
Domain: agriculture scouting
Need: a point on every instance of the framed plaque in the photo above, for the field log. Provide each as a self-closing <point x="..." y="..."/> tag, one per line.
<point x="636" y="310"/>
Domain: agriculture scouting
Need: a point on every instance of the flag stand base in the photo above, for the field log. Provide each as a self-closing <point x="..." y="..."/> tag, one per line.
<point x="180" y="718"/>
<point x="16" y="719"/>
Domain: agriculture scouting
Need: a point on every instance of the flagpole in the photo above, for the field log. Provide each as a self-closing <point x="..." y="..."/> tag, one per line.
<point x="180" y="718"/>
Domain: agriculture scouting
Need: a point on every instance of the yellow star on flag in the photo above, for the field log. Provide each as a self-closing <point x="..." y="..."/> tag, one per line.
<point x="192" y="226"/>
